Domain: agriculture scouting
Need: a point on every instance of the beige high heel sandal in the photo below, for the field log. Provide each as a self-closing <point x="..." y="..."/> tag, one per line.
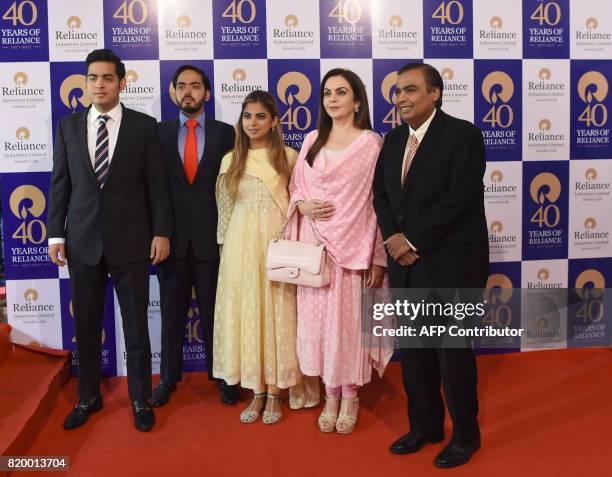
<point x="347" y="419"/>
<point x="327" y="419"/>
<point x="251" y="413"/>
<point x="272" y="416"/>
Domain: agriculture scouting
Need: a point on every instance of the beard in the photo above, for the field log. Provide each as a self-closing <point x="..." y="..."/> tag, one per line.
<point x="193" y="108"/>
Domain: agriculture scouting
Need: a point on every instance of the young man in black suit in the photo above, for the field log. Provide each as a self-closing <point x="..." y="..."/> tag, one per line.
<point x="192" y="147"/>
<point x="428" y="196"/>
<point x="109" y="214"/>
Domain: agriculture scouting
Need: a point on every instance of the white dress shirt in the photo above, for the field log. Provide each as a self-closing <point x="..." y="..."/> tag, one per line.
<point x="420" y="134"/>
<point x="112" y="125"/>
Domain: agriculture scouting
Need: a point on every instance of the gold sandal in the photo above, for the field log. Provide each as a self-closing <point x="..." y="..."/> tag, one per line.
<point x="251" y="413"/>
<point x="347" y="419"/>
<point x="327" y="419"/>
<point x="271" y="416"/>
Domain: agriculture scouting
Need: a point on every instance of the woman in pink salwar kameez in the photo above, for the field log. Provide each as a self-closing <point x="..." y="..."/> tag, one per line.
<point x="332" y="185"/>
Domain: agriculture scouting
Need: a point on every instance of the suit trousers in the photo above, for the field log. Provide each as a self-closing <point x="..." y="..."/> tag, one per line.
<point x="423" y="369"/>
<point x="176" y="277"/>
<point x="131" y="283"/>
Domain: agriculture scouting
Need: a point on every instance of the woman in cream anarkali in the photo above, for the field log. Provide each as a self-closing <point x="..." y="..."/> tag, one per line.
<point x="255" y="319"/>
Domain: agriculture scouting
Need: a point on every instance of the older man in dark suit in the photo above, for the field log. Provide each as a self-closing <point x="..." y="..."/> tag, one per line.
<point x="428" y="196"/>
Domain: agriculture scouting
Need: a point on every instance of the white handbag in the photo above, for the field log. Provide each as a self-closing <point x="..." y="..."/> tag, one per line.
<point x="299" y="263"/>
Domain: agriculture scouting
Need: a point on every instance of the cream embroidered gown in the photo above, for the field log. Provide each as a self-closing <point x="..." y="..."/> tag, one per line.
<point x="255" y="320"/>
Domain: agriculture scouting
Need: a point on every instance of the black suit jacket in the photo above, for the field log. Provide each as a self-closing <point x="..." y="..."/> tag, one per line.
<point x="120" y="219"/>
<point x="441" y="207"/>
<point x="194" y="205"/>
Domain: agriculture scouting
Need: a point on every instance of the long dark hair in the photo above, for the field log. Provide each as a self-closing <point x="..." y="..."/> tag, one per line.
<point x="324" y="123"/>
<point x="276" y="147"/>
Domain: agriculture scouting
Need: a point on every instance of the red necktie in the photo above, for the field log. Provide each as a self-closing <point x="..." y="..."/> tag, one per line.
<point x="190" y="153"/>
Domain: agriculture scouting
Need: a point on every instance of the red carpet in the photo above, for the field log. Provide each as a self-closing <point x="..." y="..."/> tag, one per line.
<point x="30" y="381"/>
<point x="542" y="414"/>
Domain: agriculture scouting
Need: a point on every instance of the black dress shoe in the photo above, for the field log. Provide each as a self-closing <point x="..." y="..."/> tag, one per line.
<point x="453" y="455"/>
<point x="79" y="415"/>
<point x="143" y="416"/>
<point x="229" y="393"/>
<point x="161" y="394"/>
<point x="412" y="442"/>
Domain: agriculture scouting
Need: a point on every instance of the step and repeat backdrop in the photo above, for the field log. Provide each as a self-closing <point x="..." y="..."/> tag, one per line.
<point x="533" y="75"/>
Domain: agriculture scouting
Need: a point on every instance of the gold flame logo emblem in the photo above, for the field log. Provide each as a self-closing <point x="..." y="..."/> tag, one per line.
<point x="20" y="78"/>
<point x="291" y="21"/>
<point x="545" y="186"/>
<point x="183" y="21"/>
<point x="30" y="294"/>
<point x="590" y="278"/>
<point x="592" y="85"/>
<point x="497" y="227"/>
<point x="447" y="74"/>
<point x="388" y="86"/>
<point x="387" y="89"/>
<point x="22" y="133"/>
<point x="590" y="223"/>
<point x="294" y="90"/>
<point x="544" y="74"/>
<point x="499" y="289"/>
<point x="590" y="174"/>
<point x="131" y="76"/>
<point x="543" y="274"/>
<point x="497" y="177"/>
<point x="287" y="81"/>
<point x="194" y="310"/>
<point x="172" y="93"/>
<point x="239" y="74"/>
<point x="544" y="125"/>
<point x="27" y="200"/>
<point x="592" y="23"/>
<point x="496" y="22"/>
<point x="74" y="23"/>
<point x="72" y="92"/>
<point x="396" y="21"/>
<point x="497" y="85"/>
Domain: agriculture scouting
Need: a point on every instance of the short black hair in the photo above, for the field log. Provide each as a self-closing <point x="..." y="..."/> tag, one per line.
<point x="177" y="73"/>
<point x="105" y="54"/>
<point x="432" y="76"/>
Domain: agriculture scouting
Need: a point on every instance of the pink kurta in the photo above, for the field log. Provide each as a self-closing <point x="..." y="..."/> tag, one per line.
<point x="329" y="335"/>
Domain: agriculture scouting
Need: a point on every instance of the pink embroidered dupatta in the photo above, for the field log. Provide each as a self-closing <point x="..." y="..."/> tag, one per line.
<point x="352" y="237"/>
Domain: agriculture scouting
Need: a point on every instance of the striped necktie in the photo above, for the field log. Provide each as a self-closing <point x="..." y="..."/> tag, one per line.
<point x="101" y="162"/>
<point x="413" y="145"/>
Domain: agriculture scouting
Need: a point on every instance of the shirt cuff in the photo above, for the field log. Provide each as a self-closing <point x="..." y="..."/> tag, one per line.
<point x="56" y="240"/>
<point x="414" y="249"/>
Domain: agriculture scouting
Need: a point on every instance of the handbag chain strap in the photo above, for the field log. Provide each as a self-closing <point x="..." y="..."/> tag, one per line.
<point x="281" y="233"/>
